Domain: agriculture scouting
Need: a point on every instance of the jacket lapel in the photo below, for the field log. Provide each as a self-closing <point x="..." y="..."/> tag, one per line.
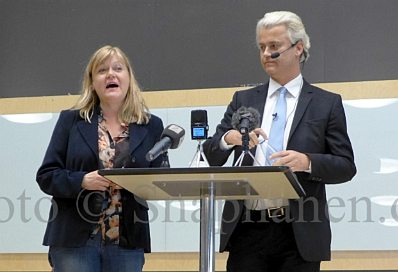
<point x="258" y="103"/>
<point x="302" y="104"/>
<point x="89" y="132"/>
<point x="139" y="135"/>
<point x="260" y="98"/>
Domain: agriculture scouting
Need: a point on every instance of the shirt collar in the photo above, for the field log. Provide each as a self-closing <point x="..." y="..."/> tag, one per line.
<point x="102" y="122"/>
<point x="293" y="86"/>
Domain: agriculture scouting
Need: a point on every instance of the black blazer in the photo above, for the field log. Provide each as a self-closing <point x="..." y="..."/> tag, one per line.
<point x="318" y="130"/>
<point x="73" y="152"/>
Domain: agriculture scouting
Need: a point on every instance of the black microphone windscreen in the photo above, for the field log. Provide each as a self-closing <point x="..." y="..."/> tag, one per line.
<point x="251" y="114"/>
<point x="175" y="133"/>
<point x="254" y="119"/>
<point x="235" y="121"/>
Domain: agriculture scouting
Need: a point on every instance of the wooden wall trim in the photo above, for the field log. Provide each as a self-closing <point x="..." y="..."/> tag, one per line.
<point x="341" y="260"/>
<point x="197" y="97"/>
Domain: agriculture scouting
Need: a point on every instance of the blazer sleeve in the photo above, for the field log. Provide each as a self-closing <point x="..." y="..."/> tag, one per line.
<point x="156" y="128"/>
<point x="336" y="164"/>
<point x="214" y="154"/>
<point x="53" y="176"/>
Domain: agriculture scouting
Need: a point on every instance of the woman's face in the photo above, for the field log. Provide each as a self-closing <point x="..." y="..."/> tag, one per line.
<point x="111" y="81"/>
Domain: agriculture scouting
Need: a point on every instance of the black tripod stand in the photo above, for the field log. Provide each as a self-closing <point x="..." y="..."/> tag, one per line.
<point x="245" y="151"/>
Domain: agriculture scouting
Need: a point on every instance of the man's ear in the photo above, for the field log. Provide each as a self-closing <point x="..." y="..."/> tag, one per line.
<point x="299" y="49"/>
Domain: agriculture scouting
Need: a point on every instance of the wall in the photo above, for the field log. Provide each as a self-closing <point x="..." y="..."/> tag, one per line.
<point x="189" y="44"/>
<point x="186" y="44"/>
<point x="358" y="240"/>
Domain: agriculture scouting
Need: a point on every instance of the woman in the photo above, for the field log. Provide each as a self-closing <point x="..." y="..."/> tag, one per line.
<point x="95" y="225"/>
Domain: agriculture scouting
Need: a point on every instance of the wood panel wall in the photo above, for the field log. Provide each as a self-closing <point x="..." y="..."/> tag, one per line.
<point x="196" y="97"/>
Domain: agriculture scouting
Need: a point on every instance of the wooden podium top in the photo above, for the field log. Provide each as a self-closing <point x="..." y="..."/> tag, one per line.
<point x="246" y="182"/>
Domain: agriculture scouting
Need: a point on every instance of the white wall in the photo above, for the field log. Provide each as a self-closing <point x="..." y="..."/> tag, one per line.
<point x="362" y="210"/>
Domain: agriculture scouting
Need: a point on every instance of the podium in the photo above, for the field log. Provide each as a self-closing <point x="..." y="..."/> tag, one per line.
<point x="208" y="184"/>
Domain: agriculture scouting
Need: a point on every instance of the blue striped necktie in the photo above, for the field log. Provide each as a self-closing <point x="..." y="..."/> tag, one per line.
<point x="277" y="132"/>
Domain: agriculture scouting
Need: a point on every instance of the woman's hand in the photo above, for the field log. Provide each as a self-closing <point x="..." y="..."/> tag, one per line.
<point x="94" y="181"/>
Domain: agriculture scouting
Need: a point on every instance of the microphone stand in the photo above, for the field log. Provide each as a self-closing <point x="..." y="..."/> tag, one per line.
<point x="245" y="151"/>
<point x="165" y="160"/>
<point x="198" y="157"/>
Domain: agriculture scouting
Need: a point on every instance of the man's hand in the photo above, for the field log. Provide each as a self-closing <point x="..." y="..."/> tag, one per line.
<point x="295" y="160"/>
<point x="233" y="137"/>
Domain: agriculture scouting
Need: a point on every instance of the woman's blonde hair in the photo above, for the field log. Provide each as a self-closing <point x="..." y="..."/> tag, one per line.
<point x="133" y="110"/>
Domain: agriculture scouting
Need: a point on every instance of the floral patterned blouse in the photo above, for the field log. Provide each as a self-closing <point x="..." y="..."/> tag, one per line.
<point x="113" y="153"/>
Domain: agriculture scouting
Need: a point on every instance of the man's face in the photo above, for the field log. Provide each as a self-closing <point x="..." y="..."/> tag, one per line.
<point x="286" y="66"/>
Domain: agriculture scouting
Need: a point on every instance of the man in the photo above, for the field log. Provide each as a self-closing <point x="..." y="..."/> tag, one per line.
<point x="280" y="234"/>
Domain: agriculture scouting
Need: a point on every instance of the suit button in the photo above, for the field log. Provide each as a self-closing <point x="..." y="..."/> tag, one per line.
<point x="133" y="159"/>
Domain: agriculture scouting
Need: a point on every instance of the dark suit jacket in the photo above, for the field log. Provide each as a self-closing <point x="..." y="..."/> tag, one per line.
<point x="318" y="130"/>
<point x="73" y="152"/>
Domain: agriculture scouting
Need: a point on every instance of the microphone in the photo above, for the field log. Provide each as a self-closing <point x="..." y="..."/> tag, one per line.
<point x="274" y="115"/>
<point x="171" y="138"/>
<point x="245" y="119"/>
<point x="277" y="54"/>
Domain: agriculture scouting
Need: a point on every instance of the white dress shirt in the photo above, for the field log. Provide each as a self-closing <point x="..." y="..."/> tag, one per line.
<point x="293" y="91"/>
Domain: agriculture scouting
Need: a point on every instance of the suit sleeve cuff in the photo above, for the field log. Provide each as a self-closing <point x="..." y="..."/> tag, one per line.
<point x="223" y="144"/>
<point x="309" y="169"/>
